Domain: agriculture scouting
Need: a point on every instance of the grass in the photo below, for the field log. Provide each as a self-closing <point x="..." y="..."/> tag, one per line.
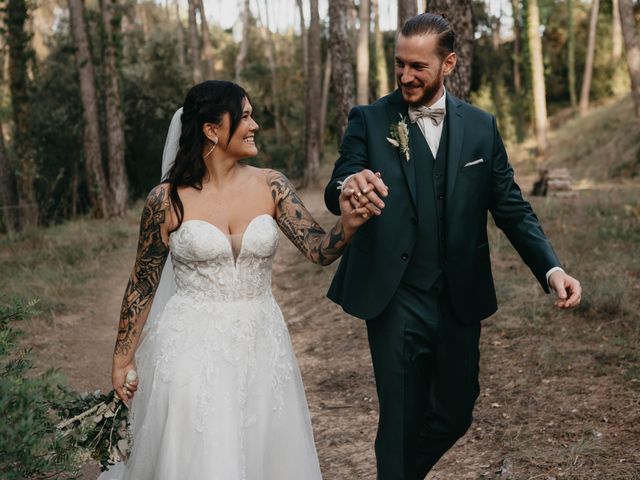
<point x="54" y="264"/>
<point x="601" y="146"/>
<point x="568" y="381"/>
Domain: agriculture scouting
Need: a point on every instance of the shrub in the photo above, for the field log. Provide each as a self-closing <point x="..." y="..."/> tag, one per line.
<point x="30" y="447"/>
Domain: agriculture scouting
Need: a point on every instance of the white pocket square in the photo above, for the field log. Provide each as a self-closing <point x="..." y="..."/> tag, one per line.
<point x="475" y="162"/>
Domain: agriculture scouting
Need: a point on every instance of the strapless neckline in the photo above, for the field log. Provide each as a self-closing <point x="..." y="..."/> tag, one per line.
<point x="227" y="236"/>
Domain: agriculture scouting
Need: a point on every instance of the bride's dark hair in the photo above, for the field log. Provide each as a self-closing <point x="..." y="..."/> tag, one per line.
<point x="206" y="102"/>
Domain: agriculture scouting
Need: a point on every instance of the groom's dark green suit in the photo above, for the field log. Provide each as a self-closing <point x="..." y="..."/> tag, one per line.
<point x="420" y="273"/>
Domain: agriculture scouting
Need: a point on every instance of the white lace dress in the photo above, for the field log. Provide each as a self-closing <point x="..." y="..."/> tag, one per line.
<point x="220" y="394"/>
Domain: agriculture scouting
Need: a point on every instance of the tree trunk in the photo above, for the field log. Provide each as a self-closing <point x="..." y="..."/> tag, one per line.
<point x="74" y="190"/>
<point x="140" y="20"/>
<point x="362" y="54"/>
<point x="312" y="163"/>
<point x="180" y="37"/>
<point x="113" y="105"/>
<point x="537" y="74"/>
<point x="517" y="47"/>
<point x="406" y="10"/>
<point x="571" y="34"/>
<point x="267" y="37"/>
<point x="353" y="18"/>
<point x="616" y="31"/>
<point x="496" y="29"/>
<point x="244" y="43"/>
<point x="460" y="15"/>
<point x="303" y="36"/>
<point x="194" y="43"/>
<point x="18" y="42"/>
<point x="342" y="71"/>
<point x="501" y="105"/>
<point x="326" y="81"/>
<point x="207" y="44"/>
<point x="8" y="198"/>
<point x="98" y="189"/>
<point x="632" y="49"/>
<point x="382" y="75"/>
<point x="588" y="64"/>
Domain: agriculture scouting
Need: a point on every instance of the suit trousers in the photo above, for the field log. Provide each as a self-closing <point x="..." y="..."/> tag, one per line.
<point x="426" y="365"/>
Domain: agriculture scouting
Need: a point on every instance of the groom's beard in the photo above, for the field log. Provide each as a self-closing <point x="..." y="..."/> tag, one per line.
<point x="429" y="90"/>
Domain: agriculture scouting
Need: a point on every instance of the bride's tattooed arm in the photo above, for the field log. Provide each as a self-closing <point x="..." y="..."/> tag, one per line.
<point x="299" y="226"/>
<point x="145" y="277"/>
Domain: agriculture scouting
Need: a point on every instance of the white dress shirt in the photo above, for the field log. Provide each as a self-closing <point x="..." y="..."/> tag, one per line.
<point x="432" y="133"/>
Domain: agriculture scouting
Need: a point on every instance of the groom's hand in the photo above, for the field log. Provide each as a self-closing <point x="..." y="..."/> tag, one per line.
<point x="351" y="217"/>
<point x="367" y="188"/>
<point x="567" y="288"/>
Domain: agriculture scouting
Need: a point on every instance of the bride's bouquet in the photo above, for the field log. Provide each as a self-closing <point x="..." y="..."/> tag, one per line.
<point x="100" y="425"/>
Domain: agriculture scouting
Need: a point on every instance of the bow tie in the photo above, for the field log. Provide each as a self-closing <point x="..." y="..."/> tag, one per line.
<point x="435" y="114"/>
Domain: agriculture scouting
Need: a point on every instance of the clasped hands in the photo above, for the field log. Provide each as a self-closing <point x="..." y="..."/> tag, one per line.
<point x="361" y="196"/>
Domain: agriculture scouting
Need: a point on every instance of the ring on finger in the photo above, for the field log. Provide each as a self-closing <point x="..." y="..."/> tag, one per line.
<point x="357" y="195"/>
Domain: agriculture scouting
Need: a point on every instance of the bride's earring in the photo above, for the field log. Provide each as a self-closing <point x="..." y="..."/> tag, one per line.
<point x="215" y="144"/>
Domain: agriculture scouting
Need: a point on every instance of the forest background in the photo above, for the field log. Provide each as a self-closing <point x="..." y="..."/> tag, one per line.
<point x="88" y="88"/>
<point x="87" y="91"/>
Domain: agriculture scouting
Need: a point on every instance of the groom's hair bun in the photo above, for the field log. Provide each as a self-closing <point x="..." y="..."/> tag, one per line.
<point x="432" y="24"/>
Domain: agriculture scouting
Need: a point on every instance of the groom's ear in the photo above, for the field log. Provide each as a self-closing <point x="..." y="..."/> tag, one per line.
<point x="449" y="63"/>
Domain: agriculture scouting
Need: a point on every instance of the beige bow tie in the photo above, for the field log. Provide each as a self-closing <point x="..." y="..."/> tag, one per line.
<point x="435" y="114"/>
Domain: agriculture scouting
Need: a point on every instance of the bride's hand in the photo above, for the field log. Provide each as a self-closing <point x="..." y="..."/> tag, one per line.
<point x="124" y="383"/>
<point x="353" y="217"/>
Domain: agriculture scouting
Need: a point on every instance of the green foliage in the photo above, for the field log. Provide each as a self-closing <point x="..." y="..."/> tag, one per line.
<point x="57" y="130"/>
<point x="98" y="424"/>
<point x="492" y="82"/>
<point x="30" y="447"/>
<point x="154" y="87"/>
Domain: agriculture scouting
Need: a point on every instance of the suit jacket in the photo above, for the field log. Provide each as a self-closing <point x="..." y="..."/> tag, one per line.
<point x="373" y="265"/>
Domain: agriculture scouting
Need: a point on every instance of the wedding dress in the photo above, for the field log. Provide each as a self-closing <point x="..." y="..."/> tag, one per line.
<point x="220" y="394"/>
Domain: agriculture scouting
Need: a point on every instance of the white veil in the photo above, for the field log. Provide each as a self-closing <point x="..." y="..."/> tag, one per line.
<point x="166" y="288"/>
<point x="167" y="285"/>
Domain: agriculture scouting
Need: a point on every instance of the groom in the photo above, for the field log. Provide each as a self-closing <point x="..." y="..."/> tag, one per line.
<point x="419" y="271"/>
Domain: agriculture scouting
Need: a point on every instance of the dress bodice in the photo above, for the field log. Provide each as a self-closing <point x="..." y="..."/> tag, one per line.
<point x="205" y="267"/>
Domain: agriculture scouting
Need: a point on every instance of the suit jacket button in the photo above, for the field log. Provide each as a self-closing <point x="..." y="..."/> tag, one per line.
<point x="404" y="256"/>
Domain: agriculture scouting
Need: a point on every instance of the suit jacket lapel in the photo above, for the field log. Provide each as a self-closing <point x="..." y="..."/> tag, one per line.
<point x="456" y="136"/>
<point x="395" y="109"/>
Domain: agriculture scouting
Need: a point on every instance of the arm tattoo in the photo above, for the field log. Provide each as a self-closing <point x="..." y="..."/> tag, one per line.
<point x="150" y="259"/>
<point x="299" y="226"/>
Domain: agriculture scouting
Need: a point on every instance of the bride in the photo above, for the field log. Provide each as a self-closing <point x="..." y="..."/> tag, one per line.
<point x="220" y="395"/>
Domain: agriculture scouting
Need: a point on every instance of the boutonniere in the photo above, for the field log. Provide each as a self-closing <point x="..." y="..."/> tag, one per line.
<point x="399" y="137"/>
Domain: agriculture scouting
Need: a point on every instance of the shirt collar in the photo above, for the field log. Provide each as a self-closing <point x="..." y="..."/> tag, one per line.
<point x="442" y="101"/>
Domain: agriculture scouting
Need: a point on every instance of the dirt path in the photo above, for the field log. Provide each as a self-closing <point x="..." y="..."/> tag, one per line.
<point x="542" y="414"/>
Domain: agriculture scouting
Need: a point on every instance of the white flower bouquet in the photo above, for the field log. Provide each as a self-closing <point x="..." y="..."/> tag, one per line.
<point x="100" y="424"/>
